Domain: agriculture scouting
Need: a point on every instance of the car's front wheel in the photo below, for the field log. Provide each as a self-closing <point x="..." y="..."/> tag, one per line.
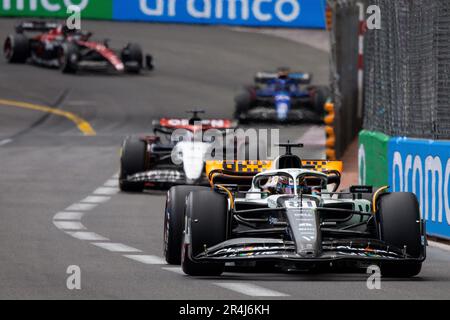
<point x="69" y="55"/>
<point x="400" y="226"/>
<point x="174" y="221"/>
<point x="206" y="225"/>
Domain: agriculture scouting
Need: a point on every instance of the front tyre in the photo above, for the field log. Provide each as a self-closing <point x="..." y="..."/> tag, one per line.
<point x="174" y="221"/>
<point x="132" y="161"/>
<point x="69" y="56"/>
<point x="206" y="217"/>
<point x="400" y="226"/>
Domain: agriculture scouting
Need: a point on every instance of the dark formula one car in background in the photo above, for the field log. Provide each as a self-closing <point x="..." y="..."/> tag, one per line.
<point x="291" y="217"/>
<point x="57" y="46"/>
<point x="282" y="96"/>
<point x="148" y="161"/>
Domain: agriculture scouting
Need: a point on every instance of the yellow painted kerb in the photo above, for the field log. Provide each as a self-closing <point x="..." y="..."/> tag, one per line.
<point x="81" y="124"/>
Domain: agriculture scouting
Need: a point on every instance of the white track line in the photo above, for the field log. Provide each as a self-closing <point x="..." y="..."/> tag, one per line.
<point x="5" y="142"/>
<point x="111" y="183"/>
<point x="87" y="236"/>
<point x="439" y="245"/>
<point x="250" y="289"/>
<point x="175" y="270"/>
<point x="147" y="259"/>
<point x="68" y="215"/>
<point x="115" y="247"/>
<point x="69" y="225"/>
<point x="64" y="220"/>
<point x="81" y="207"/>
<point x="96" y="199"/>
<point x="106" y="191"/>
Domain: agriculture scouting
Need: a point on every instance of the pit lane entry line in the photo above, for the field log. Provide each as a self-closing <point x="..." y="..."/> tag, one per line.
<point x="81" y="124"/>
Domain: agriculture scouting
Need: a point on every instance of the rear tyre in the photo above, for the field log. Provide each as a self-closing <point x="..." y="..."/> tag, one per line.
<point x="68" y="58"/>
<point x="16" y="48"/>
<point x="132" y="161"/>
<point x="242" y="105"/>
<point x="174" y="221"/>
<point x="206" y="215"/>
<point x="132" y="53"/>
<point x="319" y="96"/>
<point x="399" y="221"/>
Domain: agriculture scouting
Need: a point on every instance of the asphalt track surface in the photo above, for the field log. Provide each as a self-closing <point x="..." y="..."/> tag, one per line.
<point x="47" y="165"/>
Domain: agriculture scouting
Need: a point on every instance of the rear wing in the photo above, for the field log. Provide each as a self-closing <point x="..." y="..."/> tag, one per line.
<point x="296" y="77"/>
<point x="253" y="167"/>
<point x="37" y="26"/>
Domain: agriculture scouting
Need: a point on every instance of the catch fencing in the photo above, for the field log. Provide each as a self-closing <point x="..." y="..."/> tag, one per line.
<point x="407" y="70"/>
<point x="406" y="67"/>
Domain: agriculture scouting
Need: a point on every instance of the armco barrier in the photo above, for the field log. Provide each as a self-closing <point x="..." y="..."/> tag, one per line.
<point x="372" y="158"/>
<point x="423" y="167"/>
<point x="90" y="9"/>
<point x="256" y="13"/>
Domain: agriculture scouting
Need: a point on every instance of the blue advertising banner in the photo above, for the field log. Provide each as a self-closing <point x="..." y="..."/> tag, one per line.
<point x="423" y="167"/>
<point x="257" y="13"/>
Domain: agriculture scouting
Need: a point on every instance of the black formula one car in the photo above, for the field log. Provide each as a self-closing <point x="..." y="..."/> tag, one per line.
<point x="291" y="217"/>
<point x="282" y="96"/>
<point x="159" y="160"/>
<point x="55" y="45"/>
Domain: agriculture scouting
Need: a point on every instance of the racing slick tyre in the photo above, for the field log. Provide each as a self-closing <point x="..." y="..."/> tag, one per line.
<point x="16" y="48"/>
<point x="132" y="161"/>
<point x="69" y="56"/>
<point x="174" y="221"/>
<point x="206" y="216"/>
<point x="243" y="103"/>
<point x="319" y="96"/>
<point x="132" y="53"/>
<point x="400" y="226"/>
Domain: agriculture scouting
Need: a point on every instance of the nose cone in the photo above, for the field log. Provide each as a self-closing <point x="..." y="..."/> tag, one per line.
<point x="193" y="161"/>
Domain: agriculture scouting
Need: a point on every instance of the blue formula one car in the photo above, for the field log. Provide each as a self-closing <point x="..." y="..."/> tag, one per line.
<point x="281" y="96"/>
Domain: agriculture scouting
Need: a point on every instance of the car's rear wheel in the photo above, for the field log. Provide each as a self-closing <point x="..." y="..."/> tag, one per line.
<point x="132" y="53"/>
<point x="206" y="217"/>
<point x="174" y="221"/>
<point x="69" y="56"/>
<point x="132" y="161"/>
<point x="242" y="105"/>
<point x="16" y="48"/>
<point x="319" y="96"/>
<point x="400" y="226"/>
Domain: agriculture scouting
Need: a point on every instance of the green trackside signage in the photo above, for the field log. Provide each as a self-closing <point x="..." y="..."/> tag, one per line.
<point x="373" y="158"/>
<point x="93" y="9"/>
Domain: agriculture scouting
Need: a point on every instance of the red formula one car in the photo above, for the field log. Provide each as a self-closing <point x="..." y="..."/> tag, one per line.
<point x="57" y="46"/>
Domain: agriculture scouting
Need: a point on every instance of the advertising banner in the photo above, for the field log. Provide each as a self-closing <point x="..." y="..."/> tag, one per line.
<point x="259" y="13"/>
<point x="372" y="158"/>
<point x="423" y="167"/>
<point x="90" y="9"/>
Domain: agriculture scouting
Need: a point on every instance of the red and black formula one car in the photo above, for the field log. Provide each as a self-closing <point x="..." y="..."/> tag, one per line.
<point x="57" y="46"/>
<point x="171" y="156"/>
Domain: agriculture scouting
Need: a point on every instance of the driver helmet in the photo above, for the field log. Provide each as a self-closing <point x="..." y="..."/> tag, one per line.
<point x="285" y="185"/>
<point x="283" y="73"/>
